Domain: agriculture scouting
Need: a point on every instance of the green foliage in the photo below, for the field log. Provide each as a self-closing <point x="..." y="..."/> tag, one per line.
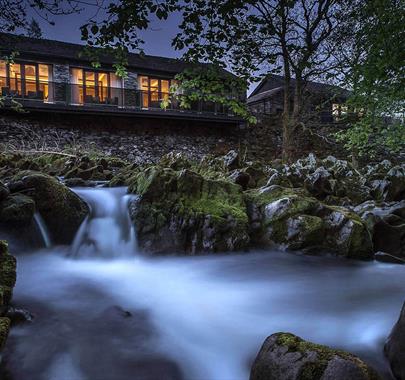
<point x="211" y="84"/>
<point x="377" y="77"/>
<point x="8" y="100"/>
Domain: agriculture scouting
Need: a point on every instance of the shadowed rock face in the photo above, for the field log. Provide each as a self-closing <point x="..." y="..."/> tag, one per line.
<point x="395" y="347"/>
<point x="62" y="210"/>
<point x="285" y="356"/>
<point x="183" y="211"/>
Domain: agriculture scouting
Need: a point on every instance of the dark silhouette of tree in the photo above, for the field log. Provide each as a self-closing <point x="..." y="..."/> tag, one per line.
<point x="34" y="30"/>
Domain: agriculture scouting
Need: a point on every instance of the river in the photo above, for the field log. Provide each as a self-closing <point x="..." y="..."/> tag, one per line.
<point x="102" y="311"/>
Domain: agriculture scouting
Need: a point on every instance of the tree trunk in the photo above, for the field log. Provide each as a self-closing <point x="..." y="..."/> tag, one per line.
<point x="287" y="127"/>
<point x="288" y="139"/>
<point x="292" y="144"/>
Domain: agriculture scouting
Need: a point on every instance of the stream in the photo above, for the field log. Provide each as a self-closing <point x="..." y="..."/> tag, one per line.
<point x="102" y="311"/>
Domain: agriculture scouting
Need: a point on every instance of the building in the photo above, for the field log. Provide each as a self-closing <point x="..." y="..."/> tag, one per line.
<point x="325" y="101"/>
<point x="55" y="76"/>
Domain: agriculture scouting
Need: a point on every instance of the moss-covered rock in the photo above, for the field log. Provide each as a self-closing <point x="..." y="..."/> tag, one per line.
<point x="183" y="211"/>
<point x="285" y="356"/>
<point x="175" y="161"/>
<point x="17" y="210"/>
<point x="8" y="275"/>
<point x="62" y="210"/>
<point x="296" y="220"/>
<point x="347" y="233"/>
<point x="4" y="191"/>
<point x="4" y="330"/>
<point x="87" y="167"/>
<point x="386" y="221"/>
<point x="124" y="176"/>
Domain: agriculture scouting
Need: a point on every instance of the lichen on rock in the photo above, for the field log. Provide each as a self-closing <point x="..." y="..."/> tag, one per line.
<point x="286" y="356"/>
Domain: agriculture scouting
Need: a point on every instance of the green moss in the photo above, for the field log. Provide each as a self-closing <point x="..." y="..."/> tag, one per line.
<point x="62" y="210"/>
<point x="185" y="202"/>
<point x="7" y="273"/>
<point x="4" y="330"/>
<point x="217" y="208"/>
<point x="314" y="370"/>
<point x="264" y="196"/>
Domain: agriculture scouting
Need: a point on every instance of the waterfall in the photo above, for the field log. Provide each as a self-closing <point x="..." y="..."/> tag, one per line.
<point x="40" y="224"/>
<point x="107" y="231"/>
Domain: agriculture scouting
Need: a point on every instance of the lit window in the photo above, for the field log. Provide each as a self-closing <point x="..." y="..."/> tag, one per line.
<point x="339" y="110"/>
<point x="3" y="77"/>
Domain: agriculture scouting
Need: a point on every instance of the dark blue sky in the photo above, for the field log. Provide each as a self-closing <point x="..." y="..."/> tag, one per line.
<point x="157" y="38"/>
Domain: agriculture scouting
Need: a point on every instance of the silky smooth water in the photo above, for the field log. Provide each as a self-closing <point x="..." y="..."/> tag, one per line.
<point x="193" y="318"/>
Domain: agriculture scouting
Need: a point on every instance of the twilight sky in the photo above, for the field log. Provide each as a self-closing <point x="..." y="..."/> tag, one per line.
<point x="157" y="37"/>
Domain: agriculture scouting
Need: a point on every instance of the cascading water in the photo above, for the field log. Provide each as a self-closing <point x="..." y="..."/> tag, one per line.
<point x="107" y="231"/>
<point x="185" y="318"/>
<point x="43" y="230"/>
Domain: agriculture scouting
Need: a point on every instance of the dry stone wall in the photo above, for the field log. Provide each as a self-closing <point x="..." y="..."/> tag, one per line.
<point x="146" y="140"/>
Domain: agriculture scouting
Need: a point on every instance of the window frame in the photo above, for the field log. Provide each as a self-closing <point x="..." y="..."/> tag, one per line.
<point x="85" y="86"/>
<point x="149" y="91"/>
<point x="23" y="79"/>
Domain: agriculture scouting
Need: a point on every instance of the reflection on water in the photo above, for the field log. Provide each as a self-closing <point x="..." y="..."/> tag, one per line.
<point x="192" y="318"/>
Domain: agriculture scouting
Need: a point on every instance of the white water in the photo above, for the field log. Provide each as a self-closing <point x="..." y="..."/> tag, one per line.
<point x="107" y="231"/>
<point x="43" y="230"/>
<point x="206" y="315"/>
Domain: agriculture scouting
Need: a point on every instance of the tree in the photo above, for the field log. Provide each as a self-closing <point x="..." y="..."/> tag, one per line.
<point x="296" y="38"/>
<point x="14" y="14"/>
<point x="376" y="75"/>
<point x="34" y="30"/>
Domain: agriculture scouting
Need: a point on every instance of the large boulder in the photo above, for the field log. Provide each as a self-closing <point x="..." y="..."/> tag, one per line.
<point x="62" y="210"/>
<point x="183" y="211"/>
<point x="387" y="182"/>
<point x="386" y="221"/>
<point x="285" y="356"/>
<point x="17" y="210"/>
<point x="395" y="347"/>
<point x="347" y="233"/>
<point x="296" y="220"/>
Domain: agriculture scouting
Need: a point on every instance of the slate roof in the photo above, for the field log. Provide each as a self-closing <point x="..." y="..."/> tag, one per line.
<point x="273" y="81"/>
<point x="69" y="51"/>
<point x="264" y="95"/>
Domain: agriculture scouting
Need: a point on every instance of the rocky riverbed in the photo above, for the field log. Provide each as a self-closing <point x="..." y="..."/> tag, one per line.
<point x="222" y="203"/>
<point x="214" y="205"/>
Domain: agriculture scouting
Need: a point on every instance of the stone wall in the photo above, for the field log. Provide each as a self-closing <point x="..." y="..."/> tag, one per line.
<point x="61" y="76"/>
<point x="263" y="141"/>
<point x="146" y="140"/>
<point x="137" y="140"/>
